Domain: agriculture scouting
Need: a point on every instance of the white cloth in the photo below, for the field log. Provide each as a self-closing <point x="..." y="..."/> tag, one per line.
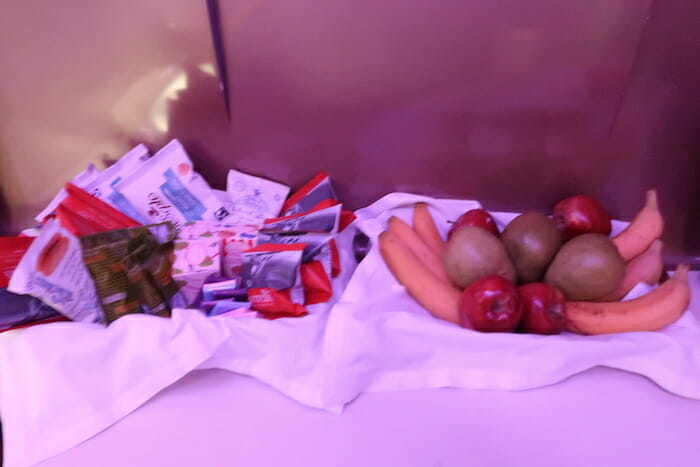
<point x="62" y="383"/>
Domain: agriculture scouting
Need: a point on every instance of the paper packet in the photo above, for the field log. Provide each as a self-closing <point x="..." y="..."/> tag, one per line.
<point x="53" y="271"/>
<point x="234" y="240"/>
<point x="254" y="199"/>
<point x="167" y="189"/>
<point x="102" y="186"/>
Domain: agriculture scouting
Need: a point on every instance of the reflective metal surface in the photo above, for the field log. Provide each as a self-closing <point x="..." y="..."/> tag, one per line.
<point x="84" y="80"/>
<point x="517" y="103"/>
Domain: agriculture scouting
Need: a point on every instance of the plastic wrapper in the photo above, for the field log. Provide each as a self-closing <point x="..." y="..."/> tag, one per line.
<point x="271" y="273"/>
<point x="83" y="214"/>
<point x="323" y="218"/>
<point x="306" y="198"/>
<point x="132" y="269"/>
<point x="12" y="249"/>
<point x="81" y="180"/>
<point x="16" y="310"/>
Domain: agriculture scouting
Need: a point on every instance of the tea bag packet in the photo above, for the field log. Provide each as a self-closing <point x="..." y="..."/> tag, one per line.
<point x="323" y="218"/>
<point x="102" y="186"/>
<point x="167" y="189"/>
<point x="316" y="190"/>
<point x="81" y="180"/>
<point x="53" y="271"/>
<point x="271" y="274"/>
<point x="254" y="199"/>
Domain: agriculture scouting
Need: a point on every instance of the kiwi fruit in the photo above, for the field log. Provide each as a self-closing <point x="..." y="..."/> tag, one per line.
<point x="531" y="240"/>
<point x="472" y="253"/>
<point x="586" y="267"/>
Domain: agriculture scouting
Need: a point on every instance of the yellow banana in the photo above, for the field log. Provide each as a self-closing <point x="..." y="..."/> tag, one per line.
<point x="647" y="268"/>
<point x="647" y="226"/>
<point x="653" y="311"/>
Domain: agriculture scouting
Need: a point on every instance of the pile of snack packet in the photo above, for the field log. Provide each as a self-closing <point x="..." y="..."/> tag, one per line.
<point x="149" y="234"/>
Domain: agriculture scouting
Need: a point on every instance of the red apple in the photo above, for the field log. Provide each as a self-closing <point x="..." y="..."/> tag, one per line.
<point x="478" y="217"/>
<point x="580" y="214"/>
<point x="490" y="304"/>
<point x="544" y="308"/>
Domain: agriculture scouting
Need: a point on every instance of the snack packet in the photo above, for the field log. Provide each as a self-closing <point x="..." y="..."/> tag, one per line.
<point x="83" y="214"/>
<point x="12" y="249"/>
<point x="317" y="285"/>
<point x="271" y="273"/>
<point x="234" y="238"/>
<point x="254" y="199"/>
<point x="167" y="189"/>
<point x="219" y="307"/>
<point x="316" y="190"/>
<point x="317" y="244"/>
<point x="132" y="269"/>
<point x="323" y="218"/>
<point x="102" y="186"/>
<point x="53" y="271"/>
<point x="82" y="179"/>
<point x="16" y="310"/>
<point x="314" y="277"/>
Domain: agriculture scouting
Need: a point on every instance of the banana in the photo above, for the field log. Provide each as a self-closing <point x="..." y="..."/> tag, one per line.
<point x="418" y="247"/>
<point x="653" y="311"/>
<point x="647" y="268"/>
<point x="647" y="226"/>
<point x="437" y="296"/>
<point x="424" y="225"/>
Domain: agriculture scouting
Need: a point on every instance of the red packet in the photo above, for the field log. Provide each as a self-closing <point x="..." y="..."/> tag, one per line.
<point x="271" y="273"/>
<point x="325" y="217"/>
<point x="317" y="189"/>
<point x="317" y="285"/>
<point x="12" y="250"/>
<point x="335" y="259"/>
<point x="84" y="214"/>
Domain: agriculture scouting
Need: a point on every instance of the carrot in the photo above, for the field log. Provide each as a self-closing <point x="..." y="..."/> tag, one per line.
<point x="418" y="247"/>
<point x="439" y="298"/>
<point x="425" y="227"/>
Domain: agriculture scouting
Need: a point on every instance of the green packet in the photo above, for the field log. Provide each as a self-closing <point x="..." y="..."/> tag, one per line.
<point x="132" y="269"/>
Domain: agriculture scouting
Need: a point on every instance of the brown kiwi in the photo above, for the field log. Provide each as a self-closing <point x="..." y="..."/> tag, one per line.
<point x="531" y="240"/>
<point x="472" y="253"/>
<point x="586" y="267"/>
